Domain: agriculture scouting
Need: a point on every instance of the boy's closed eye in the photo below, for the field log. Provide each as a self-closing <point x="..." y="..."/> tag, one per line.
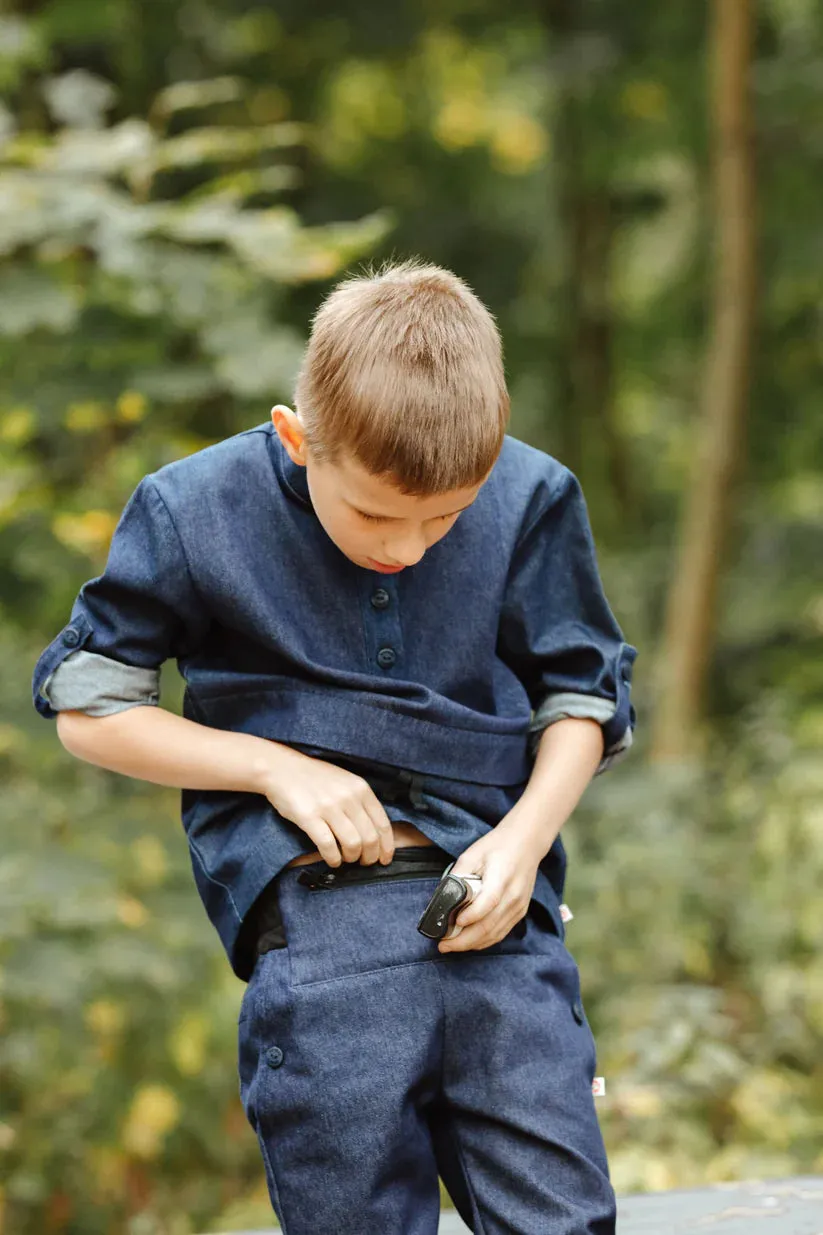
<point x="388" y="518"/>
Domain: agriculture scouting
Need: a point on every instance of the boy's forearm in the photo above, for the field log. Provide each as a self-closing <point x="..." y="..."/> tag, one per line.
<point x="150" y="743"/>
<point x="568" y="756"/>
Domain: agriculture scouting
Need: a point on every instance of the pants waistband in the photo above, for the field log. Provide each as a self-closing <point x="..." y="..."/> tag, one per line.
<point x="409" y="862"/>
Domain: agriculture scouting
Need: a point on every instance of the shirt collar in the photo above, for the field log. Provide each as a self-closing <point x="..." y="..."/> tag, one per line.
<point x="291" y="475"/>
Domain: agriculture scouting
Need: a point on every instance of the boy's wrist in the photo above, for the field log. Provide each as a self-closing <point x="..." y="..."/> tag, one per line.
<point x="269" y="765"/>
<point x="532" y="828"/>
<point x="567" y="757"/>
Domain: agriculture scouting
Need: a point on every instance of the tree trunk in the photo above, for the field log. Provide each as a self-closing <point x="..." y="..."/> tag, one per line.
<point x="691" y="620"/>
<point x="589" y="439"/>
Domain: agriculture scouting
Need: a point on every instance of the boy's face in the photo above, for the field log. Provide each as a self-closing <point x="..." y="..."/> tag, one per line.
<point x="371" y="521"/>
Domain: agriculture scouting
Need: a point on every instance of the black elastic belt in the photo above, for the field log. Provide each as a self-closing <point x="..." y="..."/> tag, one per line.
<point x="409" y="862"/>
<point x="265" y="922"/>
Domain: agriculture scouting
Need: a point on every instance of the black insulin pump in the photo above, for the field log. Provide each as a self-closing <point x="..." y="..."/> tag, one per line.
<point x="451" y="893"/>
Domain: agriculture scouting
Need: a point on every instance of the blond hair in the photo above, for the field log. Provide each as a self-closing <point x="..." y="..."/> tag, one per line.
<point x="404" y="371"/>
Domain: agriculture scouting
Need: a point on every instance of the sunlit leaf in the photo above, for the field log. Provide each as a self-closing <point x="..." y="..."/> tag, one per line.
<point x="184" y="95"/>
<point x="154" y="1112"/>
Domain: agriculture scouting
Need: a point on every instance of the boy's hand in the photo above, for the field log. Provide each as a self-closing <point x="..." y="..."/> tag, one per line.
<point x="336" y="809"/>
<point x="506" y="859"/>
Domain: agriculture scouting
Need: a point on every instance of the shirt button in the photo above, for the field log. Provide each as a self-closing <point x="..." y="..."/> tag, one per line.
<point x="71" y="637"/>
<point x="386" y="658"/>
<point x="274" y="1056"/>
<point x="577" y="1011"/>
<point x="380" y="599"/>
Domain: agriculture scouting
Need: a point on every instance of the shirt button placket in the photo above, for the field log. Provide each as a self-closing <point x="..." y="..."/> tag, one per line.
<point x="382" y="617"/>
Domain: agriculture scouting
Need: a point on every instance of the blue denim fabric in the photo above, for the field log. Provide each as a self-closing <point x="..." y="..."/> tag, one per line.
<point x="219" y="561"/>
<point x="369" y="1063"/>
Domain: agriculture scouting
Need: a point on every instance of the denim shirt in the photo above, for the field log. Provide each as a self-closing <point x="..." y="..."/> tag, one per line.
<point x="449" y="670"/>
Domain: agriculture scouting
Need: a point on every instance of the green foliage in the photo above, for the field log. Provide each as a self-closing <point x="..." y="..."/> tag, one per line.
<point x="118" y="1009"/>
<point x="179" y="183"/>
<point x="132" y="319"/>
<point x="698" y="932"/>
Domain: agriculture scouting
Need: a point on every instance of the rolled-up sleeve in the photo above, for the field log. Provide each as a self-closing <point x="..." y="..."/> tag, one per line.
<point x="125" y="623"/>
<point x="557" y="632"/>
<point x="100" y="686"/>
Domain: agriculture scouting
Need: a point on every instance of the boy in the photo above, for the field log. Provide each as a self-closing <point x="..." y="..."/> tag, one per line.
<point x="397" y="653"/>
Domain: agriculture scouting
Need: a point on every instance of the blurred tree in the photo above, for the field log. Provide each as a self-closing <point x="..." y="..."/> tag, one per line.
<point x="691" y="623"/>
<point x="583" y="48"/>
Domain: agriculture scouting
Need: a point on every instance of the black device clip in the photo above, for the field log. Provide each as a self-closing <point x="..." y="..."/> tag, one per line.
<point x="451" y="893"/>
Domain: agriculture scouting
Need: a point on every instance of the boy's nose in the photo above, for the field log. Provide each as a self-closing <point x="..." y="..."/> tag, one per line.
<point x="406" y="552"/>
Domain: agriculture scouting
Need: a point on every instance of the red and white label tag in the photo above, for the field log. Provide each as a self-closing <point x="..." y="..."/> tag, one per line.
<point x="599" y="1087"/>
<point x="566" y="914"/>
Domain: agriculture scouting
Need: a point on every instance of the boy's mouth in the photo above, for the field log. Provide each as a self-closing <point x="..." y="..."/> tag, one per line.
<point x="386" y="570"/>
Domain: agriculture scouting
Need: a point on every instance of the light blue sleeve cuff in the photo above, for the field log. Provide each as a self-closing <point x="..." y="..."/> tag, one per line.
<point x="570" y="705"/>
<point x="95" y="684"/>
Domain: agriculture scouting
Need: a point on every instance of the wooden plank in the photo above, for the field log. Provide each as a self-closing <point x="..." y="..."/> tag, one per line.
<point x="776" y="1207"/>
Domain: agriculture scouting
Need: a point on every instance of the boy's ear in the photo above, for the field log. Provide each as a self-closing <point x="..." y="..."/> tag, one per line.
<point x="290" y="431"/>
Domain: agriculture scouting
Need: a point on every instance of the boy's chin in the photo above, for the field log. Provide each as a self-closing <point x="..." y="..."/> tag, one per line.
<point x="356" y="558"/>
<point x="371" y="564"/>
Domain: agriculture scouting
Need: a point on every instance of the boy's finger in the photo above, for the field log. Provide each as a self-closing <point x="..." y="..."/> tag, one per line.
<point x="479" y="935"/>
<point x="383" y="827"/>
<point x="347" y="835"/>
<point x="484" y="903"/>
<point x="369" y="836"/>
<point x="324" y="842"/>
<point x="488" y="930"/>
<point x="372" y="803"/>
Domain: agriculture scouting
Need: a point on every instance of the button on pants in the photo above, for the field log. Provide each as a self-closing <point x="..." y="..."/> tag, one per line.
<point x="370" y="1064"/>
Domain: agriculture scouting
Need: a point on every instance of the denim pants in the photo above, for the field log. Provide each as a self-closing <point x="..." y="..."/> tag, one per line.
<point x="370" y="1064"/>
